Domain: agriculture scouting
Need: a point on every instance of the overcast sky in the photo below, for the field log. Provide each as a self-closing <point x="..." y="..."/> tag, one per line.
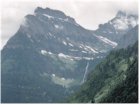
<point x="88" y="13"/>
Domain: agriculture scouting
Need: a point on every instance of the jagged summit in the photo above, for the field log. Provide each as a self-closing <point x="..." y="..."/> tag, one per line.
<point x="124" y="20"/>
<point x="126" y="14"/>
<point x="52" y="13"/>
<point x="121" y="13"/>
<point x="46" y="21"/>
<point x="118" y="26"/>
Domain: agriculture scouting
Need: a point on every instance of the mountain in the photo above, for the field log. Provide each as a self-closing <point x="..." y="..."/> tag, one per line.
<point x="129" y="38"/>
<point x="114" y="80"/>
<point x="118" y="26"/>
<point x="49" y="58"/>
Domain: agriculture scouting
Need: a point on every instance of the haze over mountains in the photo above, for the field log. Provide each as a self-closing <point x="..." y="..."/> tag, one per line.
<point x="51" y="55"/>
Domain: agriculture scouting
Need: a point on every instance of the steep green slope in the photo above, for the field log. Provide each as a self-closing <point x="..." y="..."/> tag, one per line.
<point x="115" y="79"/>
<point x="127" y="91"/>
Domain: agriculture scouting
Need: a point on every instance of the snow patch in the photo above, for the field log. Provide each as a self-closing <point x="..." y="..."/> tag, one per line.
<point x="58" y="27"/>
<point x="50" y="53"/>
<point x="64" y="43"/>
<point x="70" y="44"/>
<point x="50" y="34"/>
<point x="90" y="48"/>
<point x="63" y="55"/>
<point x="84" y="52"/>
<point x="63" y="79"/>
<point x="48" y="16"/>
<point x="73" y="57"/>
<point x="44" y="52"/>
<point x="53" y="75"/>
<point x="87" y="58"/>
<point x="66" y="20"/>
<point x="68" y="57"/>
<point x="106" y="40"/>
<point x="80" y="46"/>
<point x="73" y="50"/>
<point x="51" y="17"/>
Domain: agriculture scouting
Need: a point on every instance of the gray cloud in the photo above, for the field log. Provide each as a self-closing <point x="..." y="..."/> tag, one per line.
<point x="88" y="13"/>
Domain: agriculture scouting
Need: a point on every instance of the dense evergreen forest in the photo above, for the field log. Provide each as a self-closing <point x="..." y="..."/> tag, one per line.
<point x="114" y="80"/>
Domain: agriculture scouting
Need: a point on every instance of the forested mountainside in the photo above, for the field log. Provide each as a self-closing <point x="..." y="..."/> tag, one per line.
<point x="114" y="80"/>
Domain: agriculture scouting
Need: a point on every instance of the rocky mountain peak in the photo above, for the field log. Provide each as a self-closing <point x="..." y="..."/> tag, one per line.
<point x="124" y="21"/>
<point x="115" y="28"/>
<point x="121" y="14"/>
<point x="51" y="13"/>
<point x="124" y="14"/>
